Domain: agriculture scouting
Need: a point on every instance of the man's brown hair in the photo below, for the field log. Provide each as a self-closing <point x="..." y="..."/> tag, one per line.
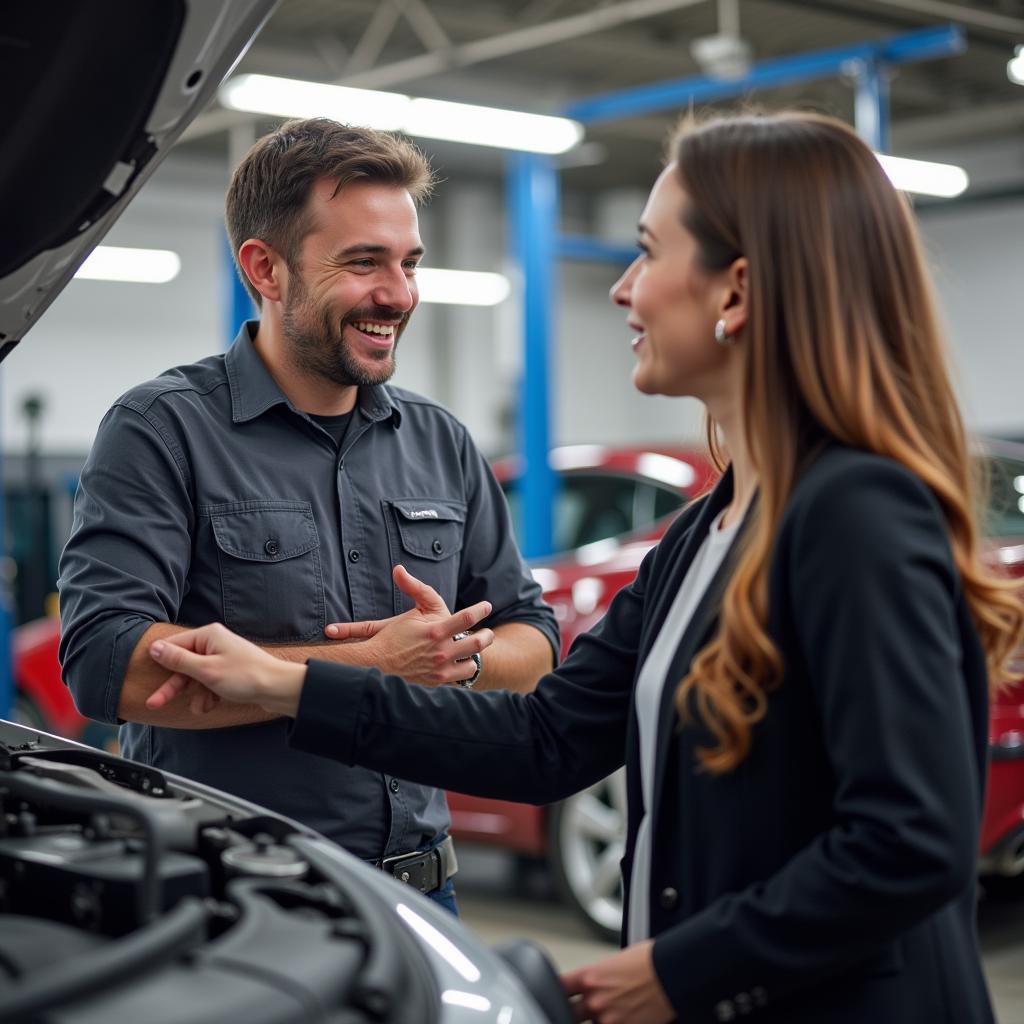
<point x="269" y="189"/>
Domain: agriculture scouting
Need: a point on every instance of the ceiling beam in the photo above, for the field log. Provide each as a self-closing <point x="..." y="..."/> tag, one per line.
<point x="535" y="37"/>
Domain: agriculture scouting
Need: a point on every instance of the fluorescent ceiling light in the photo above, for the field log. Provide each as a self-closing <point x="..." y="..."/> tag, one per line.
<point x="139" y="266"/>
<point x="390" y="111"/>
<point x="1015" y="67"/>
<point x="923" y="176"/>
<point x="461" y="287"/>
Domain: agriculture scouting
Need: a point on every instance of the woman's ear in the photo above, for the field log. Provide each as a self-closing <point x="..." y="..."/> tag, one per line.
<point x="733" y="309"/>
<point x="261" y="264"/>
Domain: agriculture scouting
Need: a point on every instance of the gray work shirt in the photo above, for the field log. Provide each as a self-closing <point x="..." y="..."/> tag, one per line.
<point x="208" y="497"/>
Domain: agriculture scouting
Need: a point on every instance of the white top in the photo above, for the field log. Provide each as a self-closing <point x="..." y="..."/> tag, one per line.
<point x="649" y="688"/>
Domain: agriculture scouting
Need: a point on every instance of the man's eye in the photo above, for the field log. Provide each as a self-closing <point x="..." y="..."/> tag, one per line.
<point x="412" y="265"/>
<point x="362" y="263"/>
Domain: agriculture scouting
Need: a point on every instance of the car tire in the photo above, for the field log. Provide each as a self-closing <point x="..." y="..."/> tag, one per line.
<point x="586" y="841"/>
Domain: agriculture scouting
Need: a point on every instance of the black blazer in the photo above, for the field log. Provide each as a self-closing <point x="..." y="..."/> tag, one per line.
<point x="830" y="878"/>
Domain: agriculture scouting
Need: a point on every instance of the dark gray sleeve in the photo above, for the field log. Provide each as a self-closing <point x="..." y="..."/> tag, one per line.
<point x="126" y="562"/>
<point x="492" y="568"/>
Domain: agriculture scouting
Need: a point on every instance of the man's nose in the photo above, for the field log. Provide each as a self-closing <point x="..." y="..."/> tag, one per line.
<point x="395" y="289"/>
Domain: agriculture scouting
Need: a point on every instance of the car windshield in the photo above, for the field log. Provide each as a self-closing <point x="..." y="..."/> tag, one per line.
<point x="1005" y="509"/>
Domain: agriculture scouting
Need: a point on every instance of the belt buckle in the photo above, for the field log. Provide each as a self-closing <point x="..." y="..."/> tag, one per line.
<point x="414" y="869"/>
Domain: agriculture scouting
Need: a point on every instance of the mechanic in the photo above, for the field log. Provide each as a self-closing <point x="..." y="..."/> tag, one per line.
<point x="284" y="488"/>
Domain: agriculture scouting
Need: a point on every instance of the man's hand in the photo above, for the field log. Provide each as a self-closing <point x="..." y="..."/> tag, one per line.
<point x="418" y="644"/>
<point x="621" y="989"/>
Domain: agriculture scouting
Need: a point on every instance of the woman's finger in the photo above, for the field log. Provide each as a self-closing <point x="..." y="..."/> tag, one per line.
<point x="170" y="688"/>
<point x="180" y="660"/>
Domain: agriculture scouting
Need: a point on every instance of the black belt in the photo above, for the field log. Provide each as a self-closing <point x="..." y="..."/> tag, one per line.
<point x="427" y="870"/>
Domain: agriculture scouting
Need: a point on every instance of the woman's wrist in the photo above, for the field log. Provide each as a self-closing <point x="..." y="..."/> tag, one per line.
<point x="281" y="688"/>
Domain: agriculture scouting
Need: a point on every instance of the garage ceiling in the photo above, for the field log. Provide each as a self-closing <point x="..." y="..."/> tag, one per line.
<point x="541" y="54"/>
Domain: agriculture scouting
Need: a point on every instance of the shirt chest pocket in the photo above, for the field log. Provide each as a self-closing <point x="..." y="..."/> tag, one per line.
<point x="271" y="579"/>
<point x="425" y="535"/>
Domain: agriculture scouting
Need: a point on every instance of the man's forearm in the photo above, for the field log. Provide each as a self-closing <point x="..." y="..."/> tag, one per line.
<point x="144" y="675"/>
<point x="517" y="659"/>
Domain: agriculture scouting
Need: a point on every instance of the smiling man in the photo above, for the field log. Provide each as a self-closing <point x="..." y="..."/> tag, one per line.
<point x="285" y="489"/>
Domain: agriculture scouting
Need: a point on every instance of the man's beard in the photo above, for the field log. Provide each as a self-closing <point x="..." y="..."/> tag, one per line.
<point x="317" y="347"/>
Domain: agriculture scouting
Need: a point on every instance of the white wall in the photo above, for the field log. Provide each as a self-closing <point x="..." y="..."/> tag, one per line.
<point x="99" y="339"/>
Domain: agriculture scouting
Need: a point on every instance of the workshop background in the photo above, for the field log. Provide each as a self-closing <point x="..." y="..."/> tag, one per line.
<point x="955" y="96"/>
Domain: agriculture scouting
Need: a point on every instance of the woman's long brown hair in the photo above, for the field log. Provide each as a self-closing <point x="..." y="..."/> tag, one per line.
<point x="842" y="343"/>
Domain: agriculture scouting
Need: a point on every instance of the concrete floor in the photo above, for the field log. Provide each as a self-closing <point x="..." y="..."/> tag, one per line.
<point x="498" y="906"/>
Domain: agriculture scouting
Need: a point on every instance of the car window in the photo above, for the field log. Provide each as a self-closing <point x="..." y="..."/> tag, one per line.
<point x="1005" y="511"/>
<point x="593" y="506"/>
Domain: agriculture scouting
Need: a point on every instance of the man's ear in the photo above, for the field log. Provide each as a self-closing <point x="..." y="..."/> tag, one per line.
<point x="733" y="308"/>
<point x="264" y="268"/>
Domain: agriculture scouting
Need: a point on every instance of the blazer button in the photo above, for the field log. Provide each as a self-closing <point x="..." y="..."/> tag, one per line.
<point x="668" y="898"/>
<point x="271" y="547"/>
<point x="353" y="555"/>
<point x="437" y="547"/>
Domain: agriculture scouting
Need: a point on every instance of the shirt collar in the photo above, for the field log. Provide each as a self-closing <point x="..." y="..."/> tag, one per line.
<point x="254" y="390"/>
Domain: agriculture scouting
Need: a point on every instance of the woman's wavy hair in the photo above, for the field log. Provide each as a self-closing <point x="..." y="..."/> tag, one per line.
<point x="842" y="343"/>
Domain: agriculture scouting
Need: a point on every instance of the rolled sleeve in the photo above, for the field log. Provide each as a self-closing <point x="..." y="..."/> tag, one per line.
<point x="492" y="567"/>
<point x="126" y="562"/>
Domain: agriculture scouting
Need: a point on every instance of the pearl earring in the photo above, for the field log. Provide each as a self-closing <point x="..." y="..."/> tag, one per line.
<point x="720" y="335"/>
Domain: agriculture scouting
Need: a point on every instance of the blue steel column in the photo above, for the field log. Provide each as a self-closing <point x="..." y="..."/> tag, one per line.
<point x="533" y="189"/>
<point x="871" y="104"/>
<point x="6" y="664"/>
<point x="240" y="306"/>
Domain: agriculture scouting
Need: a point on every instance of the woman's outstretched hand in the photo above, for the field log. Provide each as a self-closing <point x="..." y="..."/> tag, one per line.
<point x="621" y="989"/>
<point x="226" y="666"/>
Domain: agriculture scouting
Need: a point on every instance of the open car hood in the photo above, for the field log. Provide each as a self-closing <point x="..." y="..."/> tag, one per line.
<point x="128" y="893"/>
<point x="95" y="95"/>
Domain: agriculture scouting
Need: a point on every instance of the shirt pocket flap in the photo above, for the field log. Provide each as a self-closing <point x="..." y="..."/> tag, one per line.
<point x="429" y="528"/>
<point x="266" y="534"/>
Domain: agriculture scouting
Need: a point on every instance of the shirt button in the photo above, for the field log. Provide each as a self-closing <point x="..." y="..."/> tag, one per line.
<point x="394" y="785"/>
<point x="668" y="898"/>
<point x="353" y="555"/>
<point x="437" y="547"/>
<point x="271" y="547"/>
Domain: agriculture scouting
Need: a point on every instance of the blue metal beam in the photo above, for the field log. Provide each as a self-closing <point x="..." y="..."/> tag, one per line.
<point x="533" y="191"/>
<point x="240" y="306"/>
<point x="871" y="104"/>
<point x="803" y="67"/>
<point x="593" y="250"/>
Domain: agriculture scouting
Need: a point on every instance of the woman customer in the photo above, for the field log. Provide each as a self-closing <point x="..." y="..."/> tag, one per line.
<point x="797" y="680"/>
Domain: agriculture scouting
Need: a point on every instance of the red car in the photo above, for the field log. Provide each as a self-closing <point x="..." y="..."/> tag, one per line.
<point x="613" y="506"/>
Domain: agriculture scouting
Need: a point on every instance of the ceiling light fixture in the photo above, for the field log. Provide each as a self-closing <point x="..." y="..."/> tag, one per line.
<point x="462" y="287"/>
<point x="1015" y="67"/>
<point x="136" y="266"/>
<point x="924" y="177"/>
<point x="390" y="111"/>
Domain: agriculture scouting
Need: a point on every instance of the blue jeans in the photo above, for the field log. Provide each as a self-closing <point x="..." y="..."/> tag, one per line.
<point x="445" y="896"/>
